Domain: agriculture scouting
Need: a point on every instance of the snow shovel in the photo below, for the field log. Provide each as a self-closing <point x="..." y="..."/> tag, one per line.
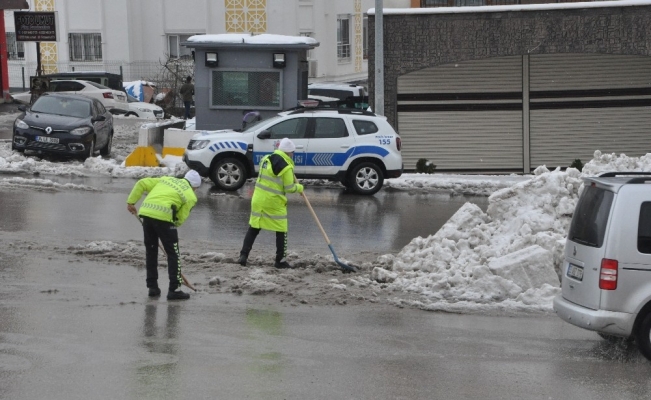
<point x="186" y="282"/>
<point x="345" y="267"/>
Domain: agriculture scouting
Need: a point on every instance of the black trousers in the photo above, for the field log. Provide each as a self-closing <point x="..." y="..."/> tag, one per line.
<point x="252" y="233"/>
<point x="166" y="232"/>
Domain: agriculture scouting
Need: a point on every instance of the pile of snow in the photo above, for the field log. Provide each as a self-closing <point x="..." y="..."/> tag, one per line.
<point x="11" y="161"/>
<point x="42" y="184"/>
<point x="508" y="258"/>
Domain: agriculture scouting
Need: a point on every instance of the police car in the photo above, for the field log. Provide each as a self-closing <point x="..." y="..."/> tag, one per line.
<point x="354" y="147"/>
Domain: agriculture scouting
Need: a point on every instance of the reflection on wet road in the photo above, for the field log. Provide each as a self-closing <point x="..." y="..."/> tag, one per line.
<point x="384" y="222"/>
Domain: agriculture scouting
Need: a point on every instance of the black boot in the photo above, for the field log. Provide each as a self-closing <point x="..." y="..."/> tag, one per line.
<point x="154" y="292"/>
<point x="282" y="264"/>
<point x="177" y="295"/>
<point x="242" y="259"/>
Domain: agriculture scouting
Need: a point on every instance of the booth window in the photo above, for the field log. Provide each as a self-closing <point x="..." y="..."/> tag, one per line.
<point x="246" y="89"/>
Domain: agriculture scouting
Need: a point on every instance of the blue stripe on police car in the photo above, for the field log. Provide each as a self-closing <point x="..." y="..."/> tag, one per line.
<point x="227" y="145"/>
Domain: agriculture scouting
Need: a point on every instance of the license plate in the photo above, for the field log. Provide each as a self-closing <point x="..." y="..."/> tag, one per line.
<point x="575" y="272"/>
<point x="120" y="97"/>
<point x="45" y="139"/>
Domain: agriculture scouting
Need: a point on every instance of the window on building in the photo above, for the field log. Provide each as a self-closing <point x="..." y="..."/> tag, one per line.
<point x="85" y="46"/>
<point x="365" y="36"/>
<point x="246" y="89"/>
<point x="343" y="37"/>
<point x="310" y="55"/>
<point x="174" y="47"/>
<point x="15" y="50"/>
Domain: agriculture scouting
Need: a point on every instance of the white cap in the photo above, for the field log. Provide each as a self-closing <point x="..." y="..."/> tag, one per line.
<point x="193" y="177"/>
<point x="287" y="146"/>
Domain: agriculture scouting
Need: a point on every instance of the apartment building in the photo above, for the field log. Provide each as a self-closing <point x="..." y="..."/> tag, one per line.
<point x="134" y="37"/>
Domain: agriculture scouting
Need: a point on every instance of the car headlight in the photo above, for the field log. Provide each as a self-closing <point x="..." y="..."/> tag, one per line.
<point x="21" y="124"/>
<point x="144" y="110"/>
<point x="198" y="144"/>
<point x="81" y="131"/>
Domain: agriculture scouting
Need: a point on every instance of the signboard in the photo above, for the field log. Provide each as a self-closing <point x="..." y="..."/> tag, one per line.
<point x="38" y="26"/>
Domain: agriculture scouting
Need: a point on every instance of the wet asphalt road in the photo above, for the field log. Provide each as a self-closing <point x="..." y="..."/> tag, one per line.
<point x="382" y="223"/>
<point x="75" y="329"/>
<point x="68" y="335"/>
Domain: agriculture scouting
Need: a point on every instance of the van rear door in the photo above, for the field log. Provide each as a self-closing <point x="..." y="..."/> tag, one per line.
<point x="585" y="247"/>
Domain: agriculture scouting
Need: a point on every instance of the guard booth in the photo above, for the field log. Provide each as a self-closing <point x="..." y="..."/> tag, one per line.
<point x="242" y="77"/>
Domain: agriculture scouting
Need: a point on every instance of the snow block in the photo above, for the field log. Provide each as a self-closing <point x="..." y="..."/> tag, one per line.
<point x="381" y="275"/>
<point x="531" y="267"/>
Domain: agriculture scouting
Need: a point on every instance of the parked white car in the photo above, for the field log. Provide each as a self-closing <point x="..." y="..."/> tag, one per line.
<point x="110" y="98"/>
<point x="141" y="109"/>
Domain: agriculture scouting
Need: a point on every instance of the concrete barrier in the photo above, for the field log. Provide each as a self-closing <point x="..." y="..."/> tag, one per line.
<point x="156" y="140"/>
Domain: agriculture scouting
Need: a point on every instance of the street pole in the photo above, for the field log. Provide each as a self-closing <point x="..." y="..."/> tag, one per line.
<point x="379" y="59"/>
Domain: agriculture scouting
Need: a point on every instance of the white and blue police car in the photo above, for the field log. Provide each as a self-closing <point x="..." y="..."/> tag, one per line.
<point x="354" y="147"/>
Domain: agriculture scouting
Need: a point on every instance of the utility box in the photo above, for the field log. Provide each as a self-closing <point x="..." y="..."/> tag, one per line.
<point x="238" y="75"/>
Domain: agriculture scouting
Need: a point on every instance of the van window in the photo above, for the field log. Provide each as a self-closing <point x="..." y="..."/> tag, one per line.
<point x="591" y="216"/>
<point x="644" y="229"/>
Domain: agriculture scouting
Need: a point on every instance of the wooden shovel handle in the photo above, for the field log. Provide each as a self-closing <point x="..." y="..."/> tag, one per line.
<point x="309" y="206"/>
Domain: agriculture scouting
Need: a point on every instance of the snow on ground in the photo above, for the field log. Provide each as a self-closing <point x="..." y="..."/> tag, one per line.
<point x="506" y="259"/>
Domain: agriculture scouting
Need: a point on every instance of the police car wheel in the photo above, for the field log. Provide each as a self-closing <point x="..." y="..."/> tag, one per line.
<point x="228" y="174"/>
<point x="366" y="178"/>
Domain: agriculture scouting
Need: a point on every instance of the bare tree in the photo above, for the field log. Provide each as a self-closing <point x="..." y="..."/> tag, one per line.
<point x="169" y="78"/>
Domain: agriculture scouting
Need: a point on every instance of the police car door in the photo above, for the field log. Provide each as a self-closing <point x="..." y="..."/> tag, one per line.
<point x="329" y="145"/>
<point x="293" y="128"/>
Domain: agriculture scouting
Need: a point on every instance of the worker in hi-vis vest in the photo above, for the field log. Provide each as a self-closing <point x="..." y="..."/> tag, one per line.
<point x="167" y="205"/>
<point x="269" y="204"/>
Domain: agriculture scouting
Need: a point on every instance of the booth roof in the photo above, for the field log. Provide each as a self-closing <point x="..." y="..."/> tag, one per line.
<point x="250" y="40"/>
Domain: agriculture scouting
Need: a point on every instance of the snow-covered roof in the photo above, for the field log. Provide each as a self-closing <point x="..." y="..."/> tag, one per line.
<point x="523" y="7"/>
<point x="251" y="40"/>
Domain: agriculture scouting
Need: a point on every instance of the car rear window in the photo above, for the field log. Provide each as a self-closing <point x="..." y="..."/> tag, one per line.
<point x="97" y="85"/>
<point x="591" y="216"/>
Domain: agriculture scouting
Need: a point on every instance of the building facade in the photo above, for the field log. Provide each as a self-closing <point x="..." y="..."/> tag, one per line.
<point x="510" y="88"/>
<point x="132" y="37"/>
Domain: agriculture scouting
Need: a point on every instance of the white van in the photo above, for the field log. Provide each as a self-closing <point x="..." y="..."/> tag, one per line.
<point x="606" y="282"/>
<point x="339" y="95"/>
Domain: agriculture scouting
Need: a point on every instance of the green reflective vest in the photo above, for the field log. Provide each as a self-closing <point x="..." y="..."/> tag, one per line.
<point x="269" y="204"/>
<point x="163" y="193"/>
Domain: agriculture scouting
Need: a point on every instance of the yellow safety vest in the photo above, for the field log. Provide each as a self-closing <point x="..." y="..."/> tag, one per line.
<point x="269" y="204"/>
<point x="163" y="193"/>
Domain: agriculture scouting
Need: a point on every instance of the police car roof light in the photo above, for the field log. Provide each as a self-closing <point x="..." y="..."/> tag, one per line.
<point x="308" y="103"/>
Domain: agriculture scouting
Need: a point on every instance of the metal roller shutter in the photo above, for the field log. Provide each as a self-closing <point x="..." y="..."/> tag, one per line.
<point x="464" y="116"/>
<point x="586" y="102"/>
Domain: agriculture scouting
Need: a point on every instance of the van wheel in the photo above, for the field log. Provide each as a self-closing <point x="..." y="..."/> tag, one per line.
<point x="643" y="336"/>
<point x="228" y="174"/>
<point x="365" y="178"/>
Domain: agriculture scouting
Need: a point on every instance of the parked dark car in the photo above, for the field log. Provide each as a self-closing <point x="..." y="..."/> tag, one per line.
<point x="66" y="124"/>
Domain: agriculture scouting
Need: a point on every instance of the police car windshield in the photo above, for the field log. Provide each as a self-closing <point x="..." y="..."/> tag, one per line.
<point x="253" y="125"/>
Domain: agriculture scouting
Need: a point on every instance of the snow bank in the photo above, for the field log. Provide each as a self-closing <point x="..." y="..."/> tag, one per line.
<point x="508" y="258"/>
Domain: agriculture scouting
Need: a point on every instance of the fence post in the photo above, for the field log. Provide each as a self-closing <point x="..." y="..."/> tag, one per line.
<point x="121" y="76"/>
<point x="23" y="72"/>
